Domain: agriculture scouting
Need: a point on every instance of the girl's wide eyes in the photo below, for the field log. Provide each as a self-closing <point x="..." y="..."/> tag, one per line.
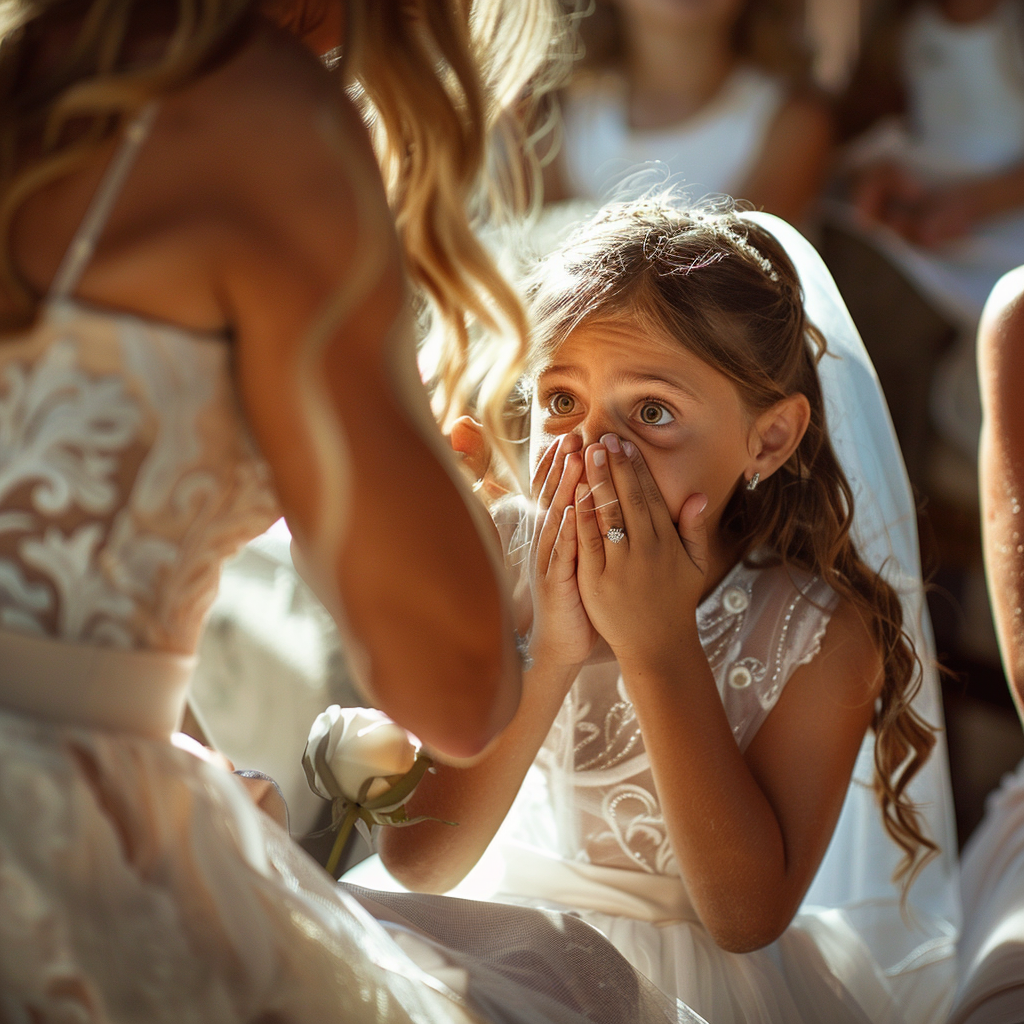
<point x="650" y="413"/>
<point x="654" y="414"/>
<point x="561" y="404"/>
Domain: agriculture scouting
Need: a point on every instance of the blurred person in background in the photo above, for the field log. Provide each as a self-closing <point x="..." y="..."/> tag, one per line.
<point x="936" y="192"/>
<point x="718" y="91"/>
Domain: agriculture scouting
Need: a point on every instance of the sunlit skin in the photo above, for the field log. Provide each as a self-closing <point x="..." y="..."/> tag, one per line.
<point x="216" y="232"/>
<point x="685" y="418"/>
<point x="632" y="430"/>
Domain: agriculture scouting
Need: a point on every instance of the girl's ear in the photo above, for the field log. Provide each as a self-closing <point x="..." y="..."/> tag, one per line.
<point x="777" y="433"/>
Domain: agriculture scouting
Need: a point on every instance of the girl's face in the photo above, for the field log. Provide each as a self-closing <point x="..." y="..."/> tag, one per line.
<point x="685" y="417"/>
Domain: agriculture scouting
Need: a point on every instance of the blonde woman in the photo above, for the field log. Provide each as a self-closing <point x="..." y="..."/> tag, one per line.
<point x="204" y="322"/>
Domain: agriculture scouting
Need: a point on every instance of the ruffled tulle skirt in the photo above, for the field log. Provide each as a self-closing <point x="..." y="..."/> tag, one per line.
<point x="831" y="966"/>
<point x="138" y="883"/>
<point x="991" y="953"/>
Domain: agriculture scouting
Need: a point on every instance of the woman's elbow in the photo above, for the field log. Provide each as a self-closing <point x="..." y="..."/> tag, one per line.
<point x="745" y="932"/>
<point x="415" y="867"/>
<point x="462" y="700"/>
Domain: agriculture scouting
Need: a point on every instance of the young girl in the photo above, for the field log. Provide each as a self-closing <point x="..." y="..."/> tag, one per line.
<point x="709" y="647"/>
<point x="718" y="92"/>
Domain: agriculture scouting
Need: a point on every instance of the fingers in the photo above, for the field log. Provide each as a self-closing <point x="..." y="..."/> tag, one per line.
<point x="693" y="531"/>
<point x="642" y="507"/>
<point x="549" y="469"/>
<point x="605" y="500"/>
<point x="590" y="542"/>
<point x="551" y="519"/>
<point x="540" y="474"/>
<point x="562" y="566"/>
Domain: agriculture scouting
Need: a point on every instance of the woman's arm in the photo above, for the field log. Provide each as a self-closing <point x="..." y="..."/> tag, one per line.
<point x="1001" y="371"/>
<point x="415" y="582"/>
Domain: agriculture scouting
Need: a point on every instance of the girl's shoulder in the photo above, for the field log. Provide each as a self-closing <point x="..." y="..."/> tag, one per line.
<point x="761" y="623"/>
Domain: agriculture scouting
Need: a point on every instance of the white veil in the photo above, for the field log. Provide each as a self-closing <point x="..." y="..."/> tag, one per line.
<point x="855" y="872"/>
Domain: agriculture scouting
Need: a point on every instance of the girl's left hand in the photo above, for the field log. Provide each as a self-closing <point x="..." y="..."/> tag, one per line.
<point x="639" y="592"/>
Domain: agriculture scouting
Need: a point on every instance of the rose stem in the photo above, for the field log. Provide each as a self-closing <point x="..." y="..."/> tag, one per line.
<point x="351" y="813"/>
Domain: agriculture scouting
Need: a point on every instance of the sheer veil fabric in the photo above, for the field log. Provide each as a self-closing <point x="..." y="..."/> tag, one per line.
<point x="855" y="875"/>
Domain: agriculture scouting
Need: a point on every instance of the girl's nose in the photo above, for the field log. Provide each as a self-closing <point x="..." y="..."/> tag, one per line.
<point x="595" y="426"/>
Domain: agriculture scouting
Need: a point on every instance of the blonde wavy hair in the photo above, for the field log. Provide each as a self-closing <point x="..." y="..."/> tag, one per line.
<point x="447" y="88"/>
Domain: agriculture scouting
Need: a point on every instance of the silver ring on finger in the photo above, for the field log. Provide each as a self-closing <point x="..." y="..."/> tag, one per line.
<point x="616" y="534"/>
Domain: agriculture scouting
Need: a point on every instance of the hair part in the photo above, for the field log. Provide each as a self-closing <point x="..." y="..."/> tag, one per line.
<point x="726" y="289"/>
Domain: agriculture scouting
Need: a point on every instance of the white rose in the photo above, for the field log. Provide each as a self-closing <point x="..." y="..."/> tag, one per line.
<point x="362" y="744"/>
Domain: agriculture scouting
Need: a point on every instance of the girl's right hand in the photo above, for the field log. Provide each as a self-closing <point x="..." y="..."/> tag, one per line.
<point x="562" y="632"/>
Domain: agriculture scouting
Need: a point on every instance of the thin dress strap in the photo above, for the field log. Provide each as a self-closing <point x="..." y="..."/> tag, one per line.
<point x="80" y="251"/>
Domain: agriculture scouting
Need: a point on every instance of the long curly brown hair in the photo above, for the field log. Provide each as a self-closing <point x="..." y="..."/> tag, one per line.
<point x="726" y="289"/>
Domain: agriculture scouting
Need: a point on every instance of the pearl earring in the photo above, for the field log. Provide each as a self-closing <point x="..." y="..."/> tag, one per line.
<point x="753" y="481"/>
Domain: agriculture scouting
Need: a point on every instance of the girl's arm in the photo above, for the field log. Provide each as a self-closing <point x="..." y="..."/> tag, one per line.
<point x="405" y="561"/>
<point x="789" y="173"/>
<point x="434" y="856"/>
<point x="1000" y="371"/>
<point x="748" y="830"/>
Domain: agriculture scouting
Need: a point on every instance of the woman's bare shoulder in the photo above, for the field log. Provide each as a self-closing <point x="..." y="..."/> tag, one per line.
<point x="271" y="110"/>
<point x="279" y="171"/>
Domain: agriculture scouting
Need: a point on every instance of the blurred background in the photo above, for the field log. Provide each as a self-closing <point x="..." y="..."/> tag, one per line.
<point x="892" y="133"/>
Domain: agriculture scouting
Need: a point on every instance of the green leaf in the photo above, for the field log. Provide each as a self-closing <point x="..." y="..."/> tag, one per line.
<point x="324" y="771"/>
<point x="401" y="790"/>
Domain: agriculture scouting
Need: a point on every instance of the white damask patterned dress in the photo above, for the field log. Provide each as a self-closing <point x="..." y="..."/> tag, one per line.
<point x="138" y="883"/>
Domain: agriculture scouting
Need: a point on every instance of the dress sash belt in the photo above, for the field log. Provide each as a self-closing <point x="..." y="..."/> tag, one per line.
<point x="98" y="687"/>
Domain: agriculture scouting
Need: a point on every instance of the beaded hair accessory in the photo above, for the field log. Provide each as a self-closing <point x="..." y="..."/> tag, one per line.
<point x="656" y="212"/>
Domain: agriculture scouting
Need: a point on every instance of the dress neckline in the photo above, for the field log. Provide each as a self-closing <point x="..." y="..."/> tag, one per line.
<point x="57" y="306"/>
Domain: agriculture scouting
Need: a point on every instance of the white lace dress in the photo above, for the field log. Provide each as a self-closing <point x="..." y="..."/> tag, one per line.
<point x="138" y="883"/>
<point x="587" y="836"/>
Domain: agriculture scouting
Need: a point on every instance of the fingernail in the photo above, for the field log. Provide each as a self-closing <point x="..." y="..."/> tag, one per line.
<point x="611" y="442"/>
<point x="629" y="448"/>
<point x="704" y="506"/>
<point x="600" y="457"/>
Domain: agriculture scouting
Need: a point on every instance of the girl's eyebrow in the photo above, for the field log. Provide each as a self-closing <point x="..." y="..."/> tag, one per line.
<point x="576" y="372"/>
<point x="632" y="377"/>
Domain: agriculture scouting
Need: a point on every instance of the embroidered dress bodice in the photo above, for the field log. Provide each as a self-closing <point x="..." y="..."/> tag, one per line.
<point x="756" y="628"/>
<point x="127" y="473"/>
